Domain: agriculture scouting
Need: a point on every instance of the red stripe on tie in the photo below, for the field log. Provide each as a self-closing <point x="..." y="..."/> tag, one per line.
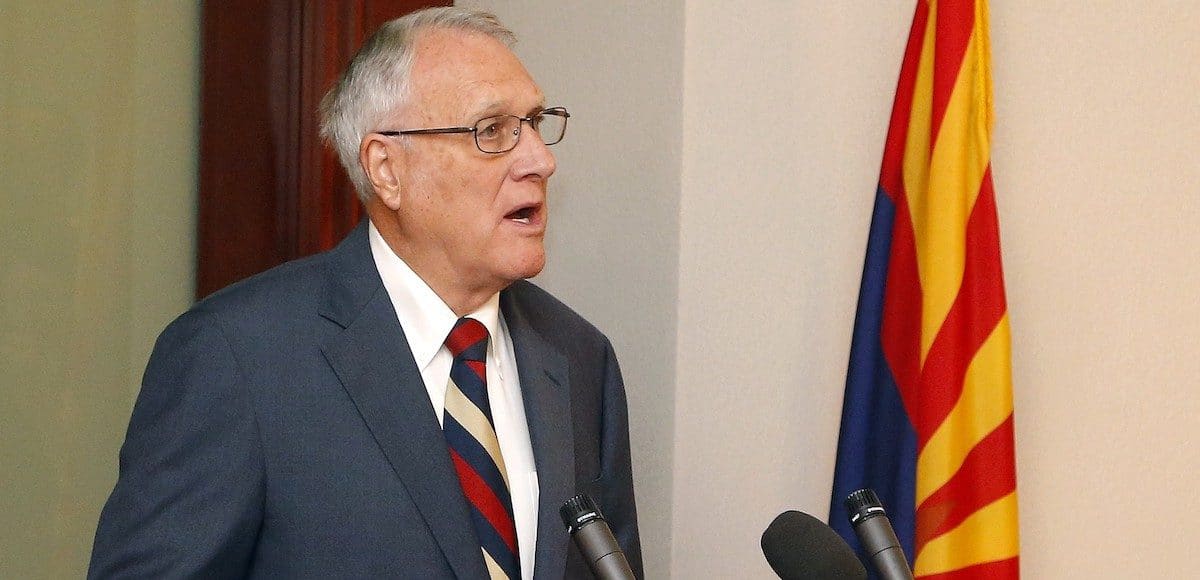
<point x="484" y="499"/>
<point x="464" y="335"/>
<point x="479" y="368"/>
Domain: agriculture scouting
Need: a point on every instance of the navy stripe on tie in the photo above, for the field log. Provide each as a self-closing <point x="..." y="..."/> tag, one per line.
<point x="473" y="387"/>
<point x="473" y="453"/>
<point x="491" y="541"/>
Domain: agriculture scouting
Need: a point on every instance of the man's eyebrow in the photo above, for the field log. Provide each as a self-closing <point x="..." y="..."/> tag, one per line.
<point x="541" y="106"/>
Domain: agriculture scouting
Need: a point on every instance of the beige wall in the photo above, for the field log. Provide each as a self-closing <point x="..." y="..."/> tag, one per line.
<point x="710" y="215"/>
<point x="97" y="173"/>
<point x="1098" y="178"/>
<point x="785" y="109"/>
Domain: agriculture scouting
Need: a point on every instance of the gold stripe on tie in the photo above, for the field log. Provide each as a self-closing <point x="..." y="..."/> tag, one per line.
<point x="476" y="423"/>
<point x="493" y="568"/>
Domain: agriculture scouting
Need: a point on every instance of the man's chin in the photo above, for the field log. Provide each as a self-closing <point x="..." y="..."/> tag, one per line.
<point x="531" y="272"/>
<point x="528" y="267"/>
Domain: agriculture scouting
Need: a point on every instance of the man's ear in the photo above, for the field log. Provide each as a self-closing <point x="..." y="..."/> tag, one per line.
<point x="382" y="169"/>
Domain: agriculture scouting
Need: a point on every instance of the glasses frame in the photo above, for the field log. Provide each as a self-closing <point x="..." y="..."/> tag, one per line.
<point x="474" y="130"/>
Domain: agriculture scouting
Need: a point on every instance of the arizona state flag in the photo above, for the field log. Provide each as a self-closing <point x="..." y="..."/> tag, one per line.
<point x="928" y="415"/>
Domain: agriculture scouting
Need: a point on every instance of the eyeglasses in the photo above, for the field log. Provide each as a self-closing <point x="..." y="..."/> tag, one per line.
<point x="500" y="133"/>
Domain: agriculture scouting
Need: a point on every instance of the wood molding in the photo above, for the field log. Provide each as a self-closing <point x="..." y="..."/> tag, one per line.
<point x="270" y="191"/>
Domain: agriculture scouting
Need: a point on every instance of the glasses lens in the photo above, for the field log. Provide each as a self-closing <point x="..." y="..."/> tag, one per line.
<point x="551" y="125"/>
<point x="501" y="133"/>
<point x="497" y="134"/>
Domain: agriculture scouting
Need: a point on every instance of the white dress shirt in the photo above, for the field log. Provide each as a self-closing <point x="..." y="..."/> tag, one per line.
<point x="426" y="321"/>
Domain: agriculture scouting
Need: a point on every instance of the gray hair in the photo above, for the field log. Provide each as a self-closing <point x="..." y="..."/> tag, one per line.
<point x="377" y="81"/>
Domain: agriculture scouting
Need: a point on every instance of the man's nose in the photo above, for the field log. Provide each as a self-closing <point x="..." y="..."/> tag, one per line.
<point x="534" y="156"/>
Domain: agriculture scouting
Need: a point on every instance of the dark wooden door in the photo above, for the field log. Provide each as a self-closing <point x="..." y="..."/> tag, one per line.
<point x="270" y="191"/>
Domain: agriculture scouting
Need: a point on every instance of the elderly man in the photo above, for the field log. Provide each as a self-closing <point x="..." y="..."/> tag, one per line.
<point x="405" y="405"/>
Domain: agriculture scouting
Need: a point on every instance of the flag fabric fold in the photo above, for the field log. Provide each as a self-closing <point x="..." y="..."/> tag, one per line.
<point x="928" y="417"/>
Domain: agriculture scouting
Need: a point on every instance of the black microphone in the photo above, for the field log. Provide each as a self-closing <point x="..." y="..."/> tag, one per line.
<point x="874" y="530"/>
<point x="595" y="540"/>
<point x="801" y="547"/>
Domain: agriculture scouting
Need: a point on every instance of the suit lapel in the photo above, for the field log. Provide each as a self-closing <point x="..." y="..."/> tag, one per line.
<point x="545" y="390"/>
<point x="372" y="359"/>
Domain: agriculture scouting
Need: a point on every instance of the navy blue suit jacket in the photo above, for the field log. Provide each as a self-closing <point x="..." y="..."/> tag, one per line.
<point x="283" y="431"/>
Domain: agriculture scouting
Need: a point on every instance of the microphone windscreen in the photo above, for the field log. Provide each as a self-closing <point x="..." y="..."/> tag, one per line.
<point x="801" y="547"/>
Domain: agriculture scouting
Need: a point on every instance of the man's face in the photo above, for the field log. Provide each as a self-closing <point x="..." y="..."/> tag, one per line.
<point x="470" y="219"/>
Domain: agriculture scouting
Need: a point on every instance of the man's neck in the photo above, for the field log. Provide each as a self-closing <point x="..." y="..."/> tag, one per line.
<point x="448" y="285"/>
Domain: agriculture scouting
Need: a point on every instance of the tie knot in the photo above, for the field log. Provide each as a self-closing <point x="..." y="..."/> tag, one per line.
<point x="468" y="339"/>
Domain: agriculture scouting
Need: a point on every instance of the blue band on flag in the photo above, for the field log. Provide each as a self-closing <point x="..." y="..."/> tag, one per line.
<point x="877" y="447"/>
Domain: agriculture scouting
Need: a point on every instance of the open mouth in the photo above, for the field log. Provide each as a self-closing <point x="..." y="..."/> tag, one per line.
<point x="522" y="215"/>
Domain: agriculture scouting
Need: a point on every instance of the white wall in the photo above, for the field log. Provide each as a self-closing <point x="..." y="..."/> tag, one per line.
<point x="783" y="113"/>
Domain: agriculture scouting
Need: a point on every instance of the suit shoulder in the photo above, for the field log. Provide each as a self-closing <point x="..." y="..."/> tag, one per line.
<point x="275" y="303"/>
<point x="291" y="285"/>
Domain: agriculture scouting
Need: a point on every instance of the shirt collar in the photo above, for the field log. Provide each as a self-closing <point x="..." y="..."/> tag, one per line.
<point x="424" y="316"/>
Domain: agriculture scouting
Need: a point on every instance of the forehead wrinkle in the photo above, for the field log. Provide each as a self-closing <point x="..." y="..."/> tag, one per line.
<point x="498" y="81"/>
<point x="493" y="98"/>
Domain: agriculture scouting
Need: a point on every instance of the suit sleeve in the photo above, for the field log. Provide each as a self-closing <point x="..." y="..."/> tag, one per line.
<point x="616" y="477"/>
<point x="189" y="494"/>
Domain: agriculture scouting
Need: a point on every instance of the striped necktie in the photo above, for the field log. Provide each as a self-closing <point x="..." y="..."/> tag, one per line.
<point x="475" y="451"/>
